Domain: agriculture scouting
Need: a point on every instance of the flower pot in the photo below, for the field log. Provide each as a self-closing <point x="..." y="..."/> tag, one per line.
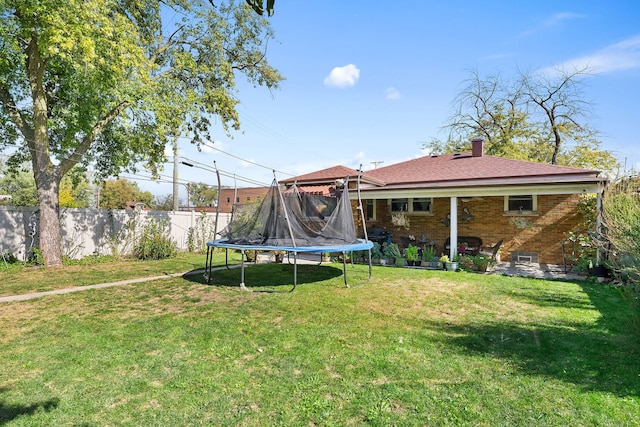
<point x="451" y="266"/>
<point x="401" y="262"/>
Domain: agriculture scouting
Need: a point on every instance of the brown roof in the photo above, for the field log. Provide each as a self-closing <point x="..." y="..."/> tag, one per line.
<point x="329" y="175"/>
<point x="324" y="175"/>
<point x="465" y="167"/>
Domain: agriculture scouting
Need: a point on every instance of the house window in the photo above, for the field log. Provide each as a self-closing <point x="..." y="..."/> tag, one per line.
<point x="522" y="204"/>
<point x="237" y="199"/>
<point x="248" y="198"/>
<point x="412" y="205"/>
<point x="421" y="204"/>
<point x="228" y="199"/>
<point x="399" y="205"/>
<point x="370" y="210"/>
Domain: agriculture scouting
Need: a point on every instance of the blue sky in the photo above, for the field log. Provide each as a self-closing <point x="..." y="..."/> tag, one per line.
<point x="371" y="81"/>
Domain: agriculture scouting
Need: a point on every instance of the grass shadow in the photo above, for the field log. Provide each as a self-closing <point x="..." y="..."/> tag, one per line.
<point x="267" y="275"/>
<point x="9" y="412"/>
<point x="597" y="357"/>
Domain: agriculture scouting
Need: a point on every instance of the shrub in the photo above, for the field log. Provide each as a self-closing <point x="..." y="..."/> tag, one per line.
<point x="8" y="257"/>
<point x="154" y="242"/>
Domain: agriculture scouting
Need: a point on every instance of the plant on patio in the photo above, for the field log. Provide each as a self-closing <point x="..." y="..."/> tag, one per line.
<point x="411" y="253"/>
<point x="482" y="262"/>
<point x="376" y="252"/>
<point x="466" y="262"/>
<point x="391" y="251"/>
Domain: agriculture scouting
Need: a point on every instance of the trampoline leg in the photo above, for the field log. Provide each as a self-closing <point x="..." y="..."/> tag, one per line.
<point x="344" y="268"/>
<point x="242" y="286"/>
<point x="295" y="271"/>
<point x="208" y="265"/>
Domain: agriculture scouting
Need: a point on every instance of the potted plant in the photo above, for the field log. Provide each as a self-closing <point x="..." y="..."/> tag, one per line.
<point x="482" y="262"/>
<point x="448" y="264"/>
<point x="429" y="258"/>
<point x="467" y="262"/>
<point x="412" y="254"/>
<point x="392" y="252"/>
<point x="376" y="253"/>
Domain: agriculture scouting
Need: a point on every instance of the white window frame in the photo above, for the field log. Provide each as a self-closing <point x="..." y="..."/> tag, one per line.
<point x="534" y="204"/>
<point x="409" y="205"/>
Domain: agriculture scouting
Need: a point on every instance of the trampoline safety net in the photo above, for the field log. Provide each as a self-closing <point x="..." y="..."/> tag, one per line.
<point x="294" y="218"/>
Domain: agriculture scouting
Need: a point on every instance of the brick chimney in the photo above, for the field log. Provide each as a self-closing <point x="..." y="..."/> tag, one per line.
<point x="477" y="147"/>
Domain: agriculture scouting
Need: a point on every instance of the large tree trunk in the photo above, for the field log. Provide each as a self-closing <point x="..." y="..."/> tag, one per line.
<point x="48" y="185"/>
<point x="46" y="174"/>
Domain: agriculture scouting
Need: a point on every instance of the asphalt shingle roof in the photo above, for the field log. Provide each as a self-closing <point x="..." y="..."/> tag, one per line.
<point x="463" y="166"/>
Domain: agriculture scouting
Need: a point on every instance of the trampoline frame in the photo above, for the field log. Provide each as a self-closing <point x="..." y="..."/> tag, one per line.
<point x="363" y="244"/>
<point x="344" y="249"/>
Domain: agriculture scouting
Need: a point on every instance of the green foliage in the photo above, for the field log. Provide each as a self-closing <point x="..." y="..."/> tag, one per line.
<point x="202" y="195"/>
<point x="111" y="83"/>
<point x="116" y="193"/>
<point x="411" y="252"/>
<point x="428" y="252"/>
<point x="18" y="182"/>
<point x="376" y="251"/>
<point x="154" y="242"/>
<point x="35" y="256"/>
<point x="8" y="258"/>
<point x="202" y="232"/>
<point x="621" y="212"/>
<point x="621" y="220"/>
<point x="391" y="250"/>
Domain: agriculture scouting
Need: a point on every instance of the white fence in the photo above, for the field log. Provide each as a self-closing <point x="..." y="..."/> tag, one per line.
<point x="105" y="232"/>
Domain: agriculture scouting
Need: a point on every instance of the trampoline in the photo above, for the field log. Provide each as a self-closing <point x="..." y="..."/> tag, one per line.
<point x="296" y="222"/>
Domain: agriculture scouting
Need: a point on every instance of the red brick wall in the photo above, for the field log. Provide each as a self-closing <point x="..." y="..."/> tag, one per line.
<point x="557" y="214"/>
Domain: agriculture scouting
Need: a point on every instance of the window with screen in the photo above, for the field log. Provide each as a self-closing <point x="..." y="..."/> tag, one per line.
<point x="521" y="204"/>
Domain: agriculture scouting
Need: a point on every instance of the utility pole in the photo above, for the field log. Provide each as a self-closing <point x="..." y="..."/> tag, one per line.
<point x="375" y="164"/>
<point x="175" y="175"/>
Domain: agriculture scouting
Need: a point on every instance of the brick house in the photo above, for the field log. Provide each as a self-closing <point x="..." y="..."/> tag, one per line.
<point x="240" y="196"/>
<point x="529" y="206"/>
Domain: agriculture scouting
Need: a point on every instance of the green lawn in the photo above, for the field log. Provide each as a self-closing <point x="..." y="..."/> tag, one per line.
<point x="411" y="347"/>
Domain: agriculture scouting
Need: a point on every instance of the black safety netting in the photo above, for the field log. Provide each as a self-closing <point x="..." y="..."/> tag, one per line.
<point x="294" y="218"/>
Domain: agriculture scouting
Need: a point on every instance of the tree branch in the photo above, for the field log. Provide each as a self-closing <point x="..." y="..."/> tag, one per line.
<point x="15" y="115"/>
<point x="97" y="129"/>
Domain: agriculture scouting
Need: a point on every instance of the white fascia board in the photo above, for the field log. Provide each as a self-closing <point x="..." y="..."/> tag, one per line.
<point x="487" y="191"/>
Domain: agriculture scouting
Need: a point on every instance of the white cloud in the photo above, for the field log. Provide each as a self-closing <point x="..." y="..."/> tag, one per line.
<point x="391" y="93"/>
<point x="559" y="18"/>
<point x="554" y="20"/>
<point x="342" y="77"/>
<point x="624" y="55"/>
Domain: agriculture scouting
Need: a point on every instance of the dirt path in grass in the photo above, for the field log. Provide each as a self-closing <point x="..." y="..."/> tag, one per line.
<point x="25" y="297"/>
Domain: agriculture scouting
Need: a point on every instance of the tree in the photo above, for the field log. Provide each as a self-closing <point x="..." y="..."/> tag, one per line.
<point x="538" y="117"/>
<point x="109" y="82"/>
<point x="75" y="191"/>
<point x="17" y="183"/>
<point x="258" y="6"/>
<point x="115" y="194"/>
<point x="163" y="203"/>
<point x="201" y="194"/>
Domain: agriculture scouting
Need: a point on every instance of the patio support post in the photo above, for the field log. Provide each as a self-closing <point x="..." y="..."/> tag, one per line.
<point x="453" y="231"/>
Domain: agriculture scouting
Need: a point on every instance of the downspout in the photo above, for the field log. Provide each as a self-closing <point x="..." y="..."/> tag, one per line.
<point x="453" y="232"/>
